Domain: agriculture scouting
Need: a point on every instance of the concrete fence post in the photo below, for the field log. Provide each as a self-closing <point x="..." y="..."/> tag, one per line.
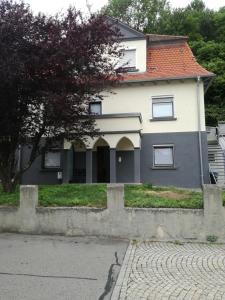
<point x="27" y="209"/>
<point x="213" y="210"/>
<point x="115" y="197"/>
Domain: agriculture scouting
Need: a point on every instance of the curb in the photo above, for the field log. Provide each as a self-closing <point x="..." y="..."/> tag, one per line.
<point x="128" y="256"/>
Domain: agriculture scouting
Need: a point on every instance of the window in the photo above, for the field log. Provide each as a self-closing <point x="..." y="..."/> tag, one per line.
<point x="128" y="59"/>
<point x="163" y="156"/>
<point x="52" y="159"/>
<point x="162" y="107"/>
<point x="95" y="108"/>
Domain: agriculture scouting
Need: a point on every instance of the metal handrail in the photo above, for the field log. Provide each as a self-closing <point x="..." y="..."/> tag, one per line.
<point x="211" y="172"/>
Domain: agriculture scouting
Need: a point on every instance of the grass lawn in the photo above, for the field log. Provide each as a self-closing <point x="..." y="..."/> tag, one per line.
<point x="95" y="196"/>
<point x="147" y="196"/>
<point x="9" y="199"/>
<point x="63" y="195"/>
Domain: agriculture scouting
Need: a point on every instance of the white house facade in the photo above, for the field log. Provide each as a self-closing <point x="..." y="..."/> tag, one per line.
<point x="152" y="127"/>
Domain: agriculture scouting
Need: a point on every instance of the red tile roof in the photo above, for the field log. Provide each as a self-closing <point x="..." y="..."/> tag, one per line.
<point x="166" y="60"/>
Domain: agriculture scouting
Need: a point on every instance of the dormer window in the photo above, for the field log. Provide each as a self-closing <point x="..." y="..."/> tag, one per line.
<point x="128" y="59"/>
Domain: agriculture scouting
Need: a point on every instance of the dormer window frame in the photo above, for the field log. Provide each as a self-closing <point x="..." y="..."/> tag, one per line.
<point x="130" y="68"/>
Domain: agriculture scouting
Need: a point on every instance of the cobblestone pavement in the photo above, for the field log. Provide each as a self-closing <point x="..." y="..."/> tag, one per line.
<point x="169" y="271"/>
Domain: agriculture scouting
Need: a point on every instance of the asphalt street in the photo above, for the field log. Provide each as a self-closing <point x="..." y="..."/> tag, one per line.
<point x="56" y="267"/>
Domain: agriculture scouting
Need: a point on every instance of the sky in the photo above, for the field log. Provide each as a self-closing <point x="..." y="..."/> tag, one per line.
<point x="53" y="6"/>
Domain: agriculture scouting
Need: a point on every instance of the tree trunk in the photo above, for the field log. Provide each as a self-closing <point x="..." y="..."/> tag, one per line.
<point x="8" y="180"/>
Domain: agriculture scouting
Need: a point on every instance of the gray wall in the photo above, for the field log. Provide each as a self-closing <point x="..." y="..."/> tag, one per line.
<point x="116" y="220"/>
<point x="36" y="174"/>
<point x="186" y="155"/>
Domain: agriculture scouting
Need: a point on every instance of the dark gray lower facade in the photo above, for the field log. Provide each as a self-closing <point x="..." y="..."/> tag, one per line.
<point x="131" y="166"/>
<point x="186" y="171"/>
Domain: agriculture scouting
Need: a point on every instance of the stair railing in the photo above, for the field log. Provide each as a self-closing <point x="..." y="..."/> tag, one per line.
<point x="213" y="176"/>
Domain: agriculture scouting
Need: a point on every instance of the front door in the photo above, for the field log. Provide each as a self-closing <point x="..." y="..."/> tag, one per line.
<point x="103" y="164"/>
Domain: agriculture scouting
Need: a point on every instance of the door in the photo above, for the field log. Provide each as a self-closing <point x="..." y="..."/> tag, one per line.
<point x="103" y="164"/>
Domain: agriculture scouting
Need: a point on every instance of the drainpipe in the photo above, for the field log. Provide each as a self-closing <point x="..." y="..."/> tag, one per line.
<point x="199" y="130"/>
<point x="19" y="159"/>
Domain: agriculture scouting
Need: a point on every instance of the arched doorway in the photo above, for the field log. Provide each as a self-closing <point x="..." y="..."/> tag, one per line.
<point x="125" y="160"/>
<point x="101" y="161"/>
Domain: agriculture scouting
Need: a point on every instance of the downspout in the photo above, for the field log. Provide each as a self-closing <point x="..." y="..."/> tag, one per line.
<point x="19" y="159"/>
<point x="199" y="130"/>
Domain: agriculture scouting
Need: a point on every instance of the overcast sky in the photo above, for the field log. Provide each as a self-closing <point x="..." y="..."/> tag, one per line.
<point x="53" y="6"/>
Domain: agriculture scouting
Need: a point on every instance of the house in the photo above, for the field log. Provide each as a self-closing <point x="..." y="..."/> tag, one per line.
<point x="152" y="127"/>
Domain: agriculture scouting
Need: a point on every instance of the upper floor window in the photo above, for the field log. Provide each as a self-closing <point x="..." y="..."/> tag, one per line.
<point x="128" y="59"/>
<point x="162" y="107"/>
<point x="52" y="159"/>
<point x="95" y="108"/>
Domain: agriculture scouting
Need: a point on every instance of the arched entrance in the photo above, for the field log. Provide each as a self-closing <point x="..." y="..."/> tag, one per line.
<point x="101" y="161"/>
<point x="125" y="160"/>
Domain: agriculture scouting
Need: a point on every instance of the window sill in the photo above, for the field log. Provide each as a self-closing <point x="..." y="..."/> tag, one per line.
<point x="47" y="170"/>
<point x="163" y="119"/>
<point x="164" y="168"/>
<point x="128" y="70"/>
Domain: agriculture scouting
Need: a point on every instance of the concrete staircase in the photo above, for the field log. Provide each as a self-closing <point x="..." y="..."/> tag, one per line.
<point x="217" y="163"/>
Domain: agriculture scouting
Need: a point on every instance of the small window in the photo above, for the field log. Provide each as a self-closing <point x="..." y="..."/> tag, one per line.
<point x="162" y="107"/>
<point x="128" y="59"/>
<point x="163" y="156"/>
<point x="95" y="108"/>
<point x="52" y="159"/>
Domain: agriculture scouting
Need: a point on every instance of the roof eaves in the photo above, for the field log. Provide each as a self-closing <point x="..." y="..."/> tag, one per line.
<point x="157" y="38"/>
<point x="210" y="75"/>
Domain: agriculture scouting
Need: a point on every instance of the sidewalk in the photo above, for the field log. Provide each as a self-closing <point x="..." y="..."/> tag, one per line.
<point x="158" y="270"/>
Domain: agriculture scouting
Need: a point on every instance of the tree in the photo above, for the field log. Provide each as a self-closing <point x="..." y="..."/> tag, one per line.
<point x="50" y="70"/>
<point x="142" y="15"/>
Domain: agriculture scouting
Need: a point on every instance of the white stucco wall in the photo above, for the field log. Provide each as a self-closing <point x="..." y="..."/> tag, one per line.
<point x="137" y="99"/>
<point x="140" y="47"/>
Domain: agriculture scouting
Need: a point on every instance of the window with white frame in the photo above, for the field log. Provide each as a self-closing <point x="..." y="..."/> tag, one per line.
<point x="163" y="156"/>
<point x="52" y="159"/>
<point x="128" y="59"/>
<point x="162" y="107"/>
<point x="95" y="108"/>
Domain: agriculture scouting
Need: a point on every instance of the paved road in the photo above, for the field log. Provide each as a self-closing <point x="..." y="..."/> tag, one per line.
<point x="169" y="271"/>
<point x="58" y="268"/>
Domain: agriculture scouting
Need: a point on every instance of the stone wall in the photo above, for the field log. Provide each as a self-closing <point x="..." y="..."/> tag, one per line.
<point x="116" y="220"/>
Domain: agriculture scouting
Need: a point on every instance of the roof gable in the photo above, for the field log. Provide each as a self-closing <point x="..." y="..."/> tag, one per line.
<point x="126" y="31"/>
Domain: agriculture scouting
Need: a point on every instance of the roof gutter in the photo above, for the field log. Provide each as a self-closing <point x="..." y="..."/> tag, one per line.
<point x="165" y="79"/>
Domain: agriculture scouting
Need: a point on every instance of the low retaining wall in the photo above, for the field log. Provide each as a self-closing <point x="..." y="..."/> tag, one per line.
<point x="116" y="220"/>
